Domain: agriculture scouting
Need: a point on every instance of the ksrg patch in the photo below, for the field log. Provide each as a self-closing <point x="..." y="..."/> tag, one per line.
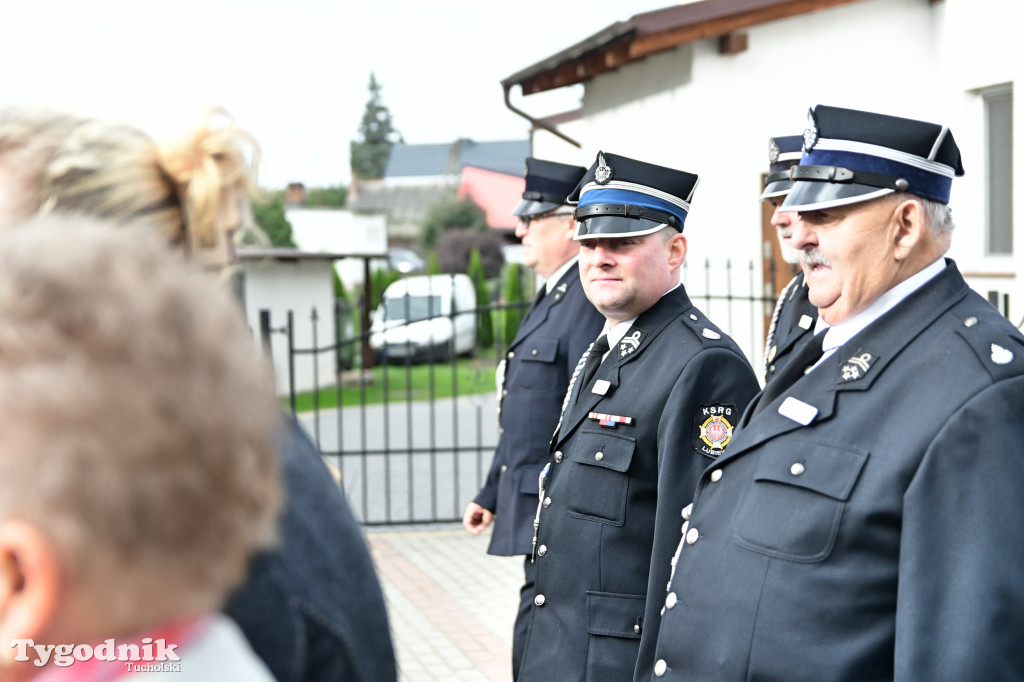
<point x="712" y="428"/>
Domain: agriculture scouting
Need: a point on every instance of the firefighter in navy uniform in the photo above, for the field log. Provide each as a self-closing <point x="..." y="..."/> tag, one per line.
<point x="794" y="315"/>
<point x="862" y="525"/>
<point x="652" y="403"/>
<point x="535" y="372"/>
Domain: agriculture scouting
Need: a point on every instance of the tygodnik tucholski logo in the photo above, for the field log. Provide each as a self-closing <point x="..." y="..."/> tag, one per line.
<point x="149" y="656"/>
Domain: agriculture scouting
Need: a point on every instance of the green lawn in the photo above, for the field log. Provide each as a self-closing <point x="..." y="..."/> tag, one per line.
<point x="416" y="382"/>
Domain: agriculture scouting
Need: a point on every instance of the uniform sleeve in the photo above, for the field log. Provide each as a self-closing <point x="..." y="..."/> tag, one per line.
<point x="714" y="376"/>
<point x="960" y="610"/>
<point x="488" y="495"/>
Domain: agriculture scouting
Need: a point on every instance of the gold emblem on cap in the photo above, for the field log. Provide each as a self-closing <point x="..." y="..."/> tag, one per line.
<point x="603" y="172"/>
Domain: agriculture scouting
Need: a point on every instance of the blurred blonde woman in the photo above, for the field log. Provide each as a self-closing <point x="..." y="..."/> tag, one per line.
<point x="312" y="609"/>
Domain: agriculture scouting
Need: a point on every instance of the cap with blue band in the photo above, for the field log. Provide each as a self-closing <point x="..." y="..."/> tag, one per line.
<point x="620" y="196"/>
<point x="852" y="156"/>
<point x="783" y="154"/>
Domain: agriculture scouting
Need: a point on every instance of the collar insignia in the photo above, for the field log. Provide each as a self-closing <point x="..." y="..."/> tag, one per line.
<point x="630" y="343"/>
<point x="857" y="366"/>
<point x="560" y="291"/>
<point x="603" y="172"/>
<point x="1000" y="355"/>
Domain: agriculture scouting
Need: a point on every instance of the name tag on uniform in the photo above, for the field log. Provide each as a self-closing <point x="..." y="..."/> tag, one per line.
<point x="601" y="387"/>
<point x="798" y="411"/>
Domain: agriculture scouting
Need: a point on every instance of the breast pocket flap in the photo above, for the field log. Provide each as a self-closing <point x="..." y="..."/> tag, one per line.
<point x="822" y="468"/>
<point x="540" y="350"/>
<point x="604" y="449"/>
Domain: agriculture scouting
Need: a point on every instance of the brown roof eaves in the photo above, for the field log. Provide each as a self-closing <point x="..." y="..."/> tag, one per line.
<point x="651" y="32"/>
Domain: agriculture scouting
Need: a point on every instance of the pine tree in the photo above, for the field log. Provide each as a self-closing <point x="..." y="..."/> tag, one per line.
<point x="369" y="154"/>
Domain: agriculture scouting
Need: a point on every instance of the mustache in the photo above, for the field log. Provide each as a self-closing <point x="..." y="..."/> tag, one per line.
<point x="812" y="257"/>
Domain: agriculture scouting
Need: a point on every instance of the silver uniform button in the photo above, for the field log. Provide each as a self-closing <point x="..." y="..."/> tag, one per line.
<point x="542" y="550"/>
<point x="558" y="456"/>
<point x="533" y="352"/>
<point x="504" y="468"/>
<point x="511" y="354"/>
<point x="636" y="629"/>
<point x="716" y="475"/>
<point x="539" y="600"/>
<point x="547" y="502"/>
<point x="692" y="535"/>
<point x="687" y="510"/>
<point x="796" y="469"/>
<point x="599" y="456"/>
<point x="970" y="321"/>
<point x="670" y="600"/>
<point x="661" y="667"/>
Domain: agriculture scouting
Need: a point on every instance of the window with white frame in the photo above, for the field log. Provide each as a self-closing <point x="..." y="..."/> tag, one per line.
<point x="999" y="170"/>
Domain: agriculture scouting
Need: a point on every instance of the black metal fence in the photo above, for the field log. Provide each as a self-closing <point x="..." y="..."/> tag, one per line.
<point x="409" y="443"/>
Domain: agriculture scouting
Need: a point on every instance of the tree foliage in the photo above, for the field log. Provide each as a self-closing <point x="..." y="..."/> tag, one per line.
<point x="269" y="215"/>
<point x="370" y="152"/>
<point x="335" y="196"/>
<point x="455" y="247"/>
<point x="451" y="213"/>
<point x="485" y="326"/>
<point x="512" y="293"/>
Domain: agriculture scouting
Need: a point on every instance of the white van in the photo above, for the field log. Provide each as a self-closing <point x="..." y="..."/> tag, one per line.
<point x="426" y="317"/>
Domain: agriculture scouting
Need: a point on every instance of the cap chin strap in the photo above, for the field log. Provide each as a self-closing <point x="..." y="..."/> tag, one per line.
<point x="627" y="211"/>
<point x="842" y="175"/>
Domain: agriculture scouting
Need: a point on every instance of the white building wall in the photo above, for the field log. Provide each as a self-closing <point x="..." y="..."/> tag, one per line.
<point x="694" y="109"/>
<point x="300" y="286"/>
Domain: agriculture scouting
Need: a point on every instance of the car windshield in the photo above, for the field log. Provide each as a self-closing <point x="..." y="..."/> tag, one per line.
<point x="412" y="308"/>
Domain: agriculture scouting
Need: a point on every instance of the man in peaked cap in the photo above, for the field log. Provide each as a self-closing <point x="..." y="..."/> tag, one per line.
<point x="794" y="315"/>
<point x="535" y="373"/>
<point x="652" y="403"/>
<point x="862" y="524"/>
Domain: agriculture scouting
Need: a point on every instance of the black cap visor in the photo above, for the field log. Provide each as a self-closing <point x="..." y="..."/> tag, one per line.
<point x="531" y="207"/>
<point x="615" y="226"/>
<point x="808" y="195"/>
<point x="776" y="189"/>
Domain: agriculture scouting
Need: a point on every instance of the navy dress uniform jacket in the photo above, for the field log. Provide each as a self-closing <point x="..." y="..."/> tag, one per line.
<point x="881" y="540"/>
<point x="538" y="365"/>
<point x="793" y="318"/>
<point x="611" y="514"/>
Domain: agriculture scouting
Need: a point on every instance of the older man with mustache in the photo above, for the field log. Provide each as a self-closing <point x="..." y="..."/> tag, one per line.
<point x="860" y="527"/>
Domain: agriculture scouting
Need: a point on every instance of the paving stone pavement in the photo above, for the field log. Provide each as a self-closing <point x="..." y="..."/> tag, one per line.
<point x="451" y="605"/>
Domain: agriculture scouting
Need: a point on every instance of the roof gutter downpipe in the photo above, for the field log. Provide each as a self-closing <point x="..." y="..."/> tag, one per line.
<point x="537" y="123"/>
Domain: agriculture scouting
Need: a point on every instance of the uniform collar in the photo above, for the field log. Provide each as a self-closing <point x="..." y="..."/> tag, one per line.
<point x="553" y="280"/>
<point x="838" y="334"/>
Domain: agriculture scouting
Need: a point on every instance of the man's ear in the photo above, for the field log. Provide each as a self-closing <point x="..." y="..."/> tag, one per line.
<point x="910" y="229"/>
<point x="676" y="249"/>
<point x="31" y="579"/>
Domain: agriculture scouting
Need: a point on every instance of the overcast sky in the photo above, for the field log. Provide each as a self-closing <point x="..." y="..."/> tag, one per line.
<point x="294" y="72"/>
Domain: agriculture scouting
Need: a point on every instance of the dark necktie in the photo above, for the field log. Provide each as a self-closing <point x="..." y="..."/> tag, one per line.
<point x="796" y="366"/>
<point x="593" y="361"/>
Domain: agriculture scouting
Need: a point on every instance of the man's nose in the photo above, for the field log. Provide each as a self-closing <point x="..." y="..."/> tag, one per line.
<point x="803" y="235"/>
<point x="521" y="227"/>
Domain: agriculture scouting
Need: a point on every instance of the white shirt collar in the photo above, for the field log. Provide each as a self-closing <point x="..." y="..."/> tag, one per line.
<point x="838" y="334"/>
<point x="551" y="281"/>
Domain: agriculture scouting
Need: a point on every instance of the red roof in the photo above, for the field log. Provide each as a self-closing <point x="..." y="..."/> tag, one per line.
<point x="496" y="193"/>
